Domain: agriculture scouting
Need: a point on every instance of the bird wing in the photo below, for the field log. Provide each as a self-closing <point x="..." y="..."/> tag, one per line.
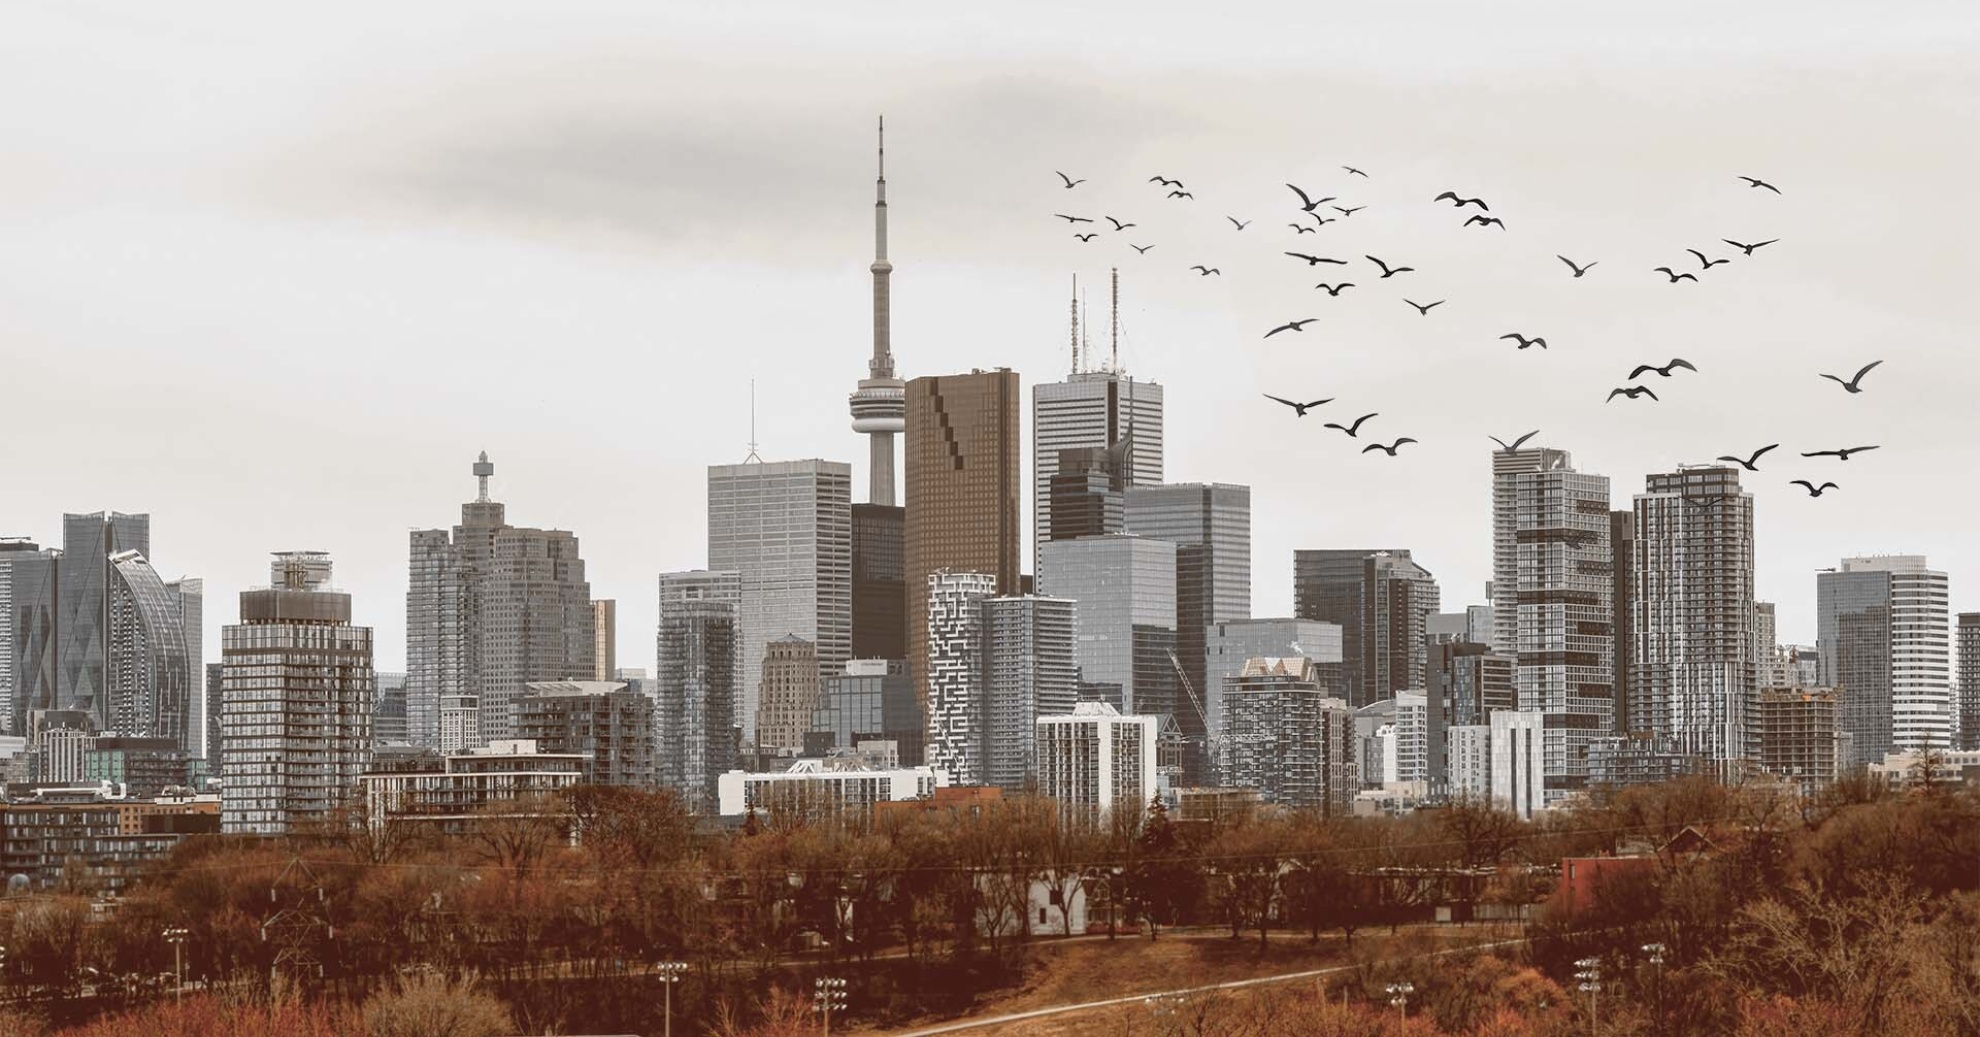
<point x="1803" y="482"/>
<point x="1278" y="399"/>
<point x="1452" y="195"/>
<point x="1436" y="304"/>
<point x="1376" y="446"/>
<point x="1866" y="370"/>
<point x="1502" y="443"/>
<point x="1640" y="368"/>
<point x="1685" y="277"/>
<point x="1680" y="362"/>
<point x="1666" y="271"/>
<point x="1403" y="440"/>
<point x="1647" y="391"/>
<point x="1524" y="438"/>
<point x="1317" y="403"/>
<point x="1824" y="453"/>
<point x="1695" y="252"/>
<point x="1762" y="450"/>
<point x="1835" y="379"/>
<point x="1830" y="486"/>
<point x="1200" y="266"/>
<point x="1515" y="336"/>
<point x="1569" y="262"/>
<point x="1474" y="219"/>
<point x="1330" y="424"/>
<point x="1275" y="331"/>
<point x="1302" y="255"/>
<point x="1737" y="245"/>
<point x="1769" y="241"/>
<point x="1613" y="393"/>
<point x="1858" y="449"/>
<point x="1750" y="182"/>
<point x="1304" y="200"/>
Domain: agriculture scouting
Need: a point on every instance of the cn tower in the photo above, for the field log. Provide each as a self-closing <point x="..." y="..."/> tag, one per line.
<point x="879" y="407"/>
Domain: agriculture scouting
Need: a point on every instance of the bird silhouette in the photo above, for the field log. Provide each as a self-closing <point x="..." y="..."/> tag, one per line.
<point x="1299" y="409"/>
<point x="1708" y="263"/>
<point x="1072" y="219"/>
<point x="1525" y="342"/>
<point x="1181" y="194"/>
<point x="1353" y="171"/>
<point x="1750" y="462"/>
<point x="1316" y="260"/>
<point x="1748" y="249"/>
<point x="1514" y="445"/>
<point x="1632" y="392"/>
<point x="1425" y="308"/>
<point x="1087" y="237"/>
<point x="1462" y="202"/>
<point x="1352" y="429"/>
<point x="1165" y="181"/>
<point x="1142" y="249"/>
<point x="1291" y="325"/>
<point x="1334" y="289"/>
<point x="1814" y="490"/>
<point x="1347" y="212"/>
<point x="1388" y="448"/>
<point x="1387" y="270"/>
<point x="1118" y="225"/>
<point x="1308" y="203"/>
<point x="1206" y="271"/>
<point x="1234" y="222"/>
<point x="1664" y="371"/>
<point x="1578" y="270"/>
<point x="1321" y="221"/>
<point x="1840" y="455"/>
<point x="1484" y="221"/>
<point x="1756" y="182"/>
<point x="1674" y="276"/>
<point x="1704" y="502"/>
<point x="1301" y="228"/>
<point x="1854" y="385"/>
<point x="1070" y="182"/>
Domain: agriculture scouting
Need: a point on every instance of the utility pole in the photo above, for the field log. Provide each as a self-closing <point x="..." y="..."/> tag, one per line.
<point x="670" y="974"/>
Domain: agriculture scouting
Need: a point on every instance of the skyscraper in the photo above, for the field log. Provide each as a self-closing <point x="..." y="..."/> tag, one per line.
<point x="1029" y="672"/>
<point x="1088" y="492"/>
<point x="1229" y="645"/>
<point x="1969" y="680"/>
<point x="1622" y="591"/>
<point x="785" y="528"/>
<point x="1288" y="738"/>
<point x="147" y="678"/>
<point x="1124" y="590"/>
<point x="607" y="721"/>
<point x="83" y="623"/>
<point x="605" y="640"/>
<point x="954" y="647"/>
<point x="1554" y="573"/>
<point x="1692" y="554"/>
<point x="789" y="693"/>
<point x="1102" y="409"/>
<point x="296" y="701"/>
<point x="1382" y="601"/>
<point x="1094" y="761"/>
<point x="879" y="596"/>
<point x="188" y="598"/>
<point x="388" y="711"/>
<point x="1881" y="626"/>
<point x="697" y="676"/>
<point x="488" y="610"/>
<point x="29" y="581"/>
<point x="879" y="406"/>
<point x="963" y="490"/>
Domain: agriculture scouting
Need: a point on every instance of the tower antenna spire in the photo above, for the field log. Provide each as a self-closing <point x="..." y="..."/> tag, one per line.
<point x="1074" y="307"/>
<point x="1114" y="332"/>
<point x="482" y="470"/>
<point x="879" y="406"/>
<point x="752" y="425"/>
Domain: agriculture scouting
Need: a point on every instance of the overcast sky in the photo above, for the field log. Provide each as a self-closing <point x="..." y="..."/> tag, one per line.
<point x="276" y="275"/>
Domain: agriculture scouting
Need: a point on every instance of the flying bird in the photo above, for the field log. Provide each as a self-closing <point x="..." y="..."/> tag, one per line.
<point x="1070" y="182"/>
<point x="1353" y="171"/>
<point x="1632" y="392"/>
<point x="1425" y="308"/>
<point x="1578" y="270"/>
<point x="1514" y="445"/>
<point x="1389" y="448"/>
<point x="1674" y="276"/>
<point x="1302" y="228"/>
<point x="1352" y="429"/>
<point x="1748" y="463"/>
<point x="1234" y="222"/>
<point x="1299" y="409"/>
<point x="1708" y="263"/>
<point x="1165" y="181"/>
<point x="1206" y="271"/>
<point x="1181" y="194"/>
<point x="1854" y="384"/>
<point x="1389" y="271"/>
<point x="1756" y="182"/>
<point x="1088" y="236"/>
<point x="1308" y="203"/>
<point x="1748" y="249"/>
<point x="1316" y="260"/>
<point x="1525" y="342"/>
<point x="1664" y="371"/>
<point x="1334" y="289"/>
<point x="1462" y="202"/>
<point x="1484" y="221"/>
<point x="1118" y="225"/>
<point x="1704" y="502"/>
<point x="1291" y="325"/>
<point x="1347" y="212"/>
<point x="1142" y="249"/>
<point x="1840" y="455"/>
<point x="1814" y="490"/>
<point x="1072" y="219"/>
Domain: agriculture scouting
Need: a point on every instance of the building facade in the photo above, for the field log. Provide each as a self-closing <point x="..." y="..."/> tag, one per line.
<point x="837" y="788"/>
<point x="606" y="722"/>
<point x="789" y="693"/>
<point x="388" y="715"/>
<point x="1029" y="671"/>
<point x="954" y="645"/>
<point x="696" y="682"/>
<point x="1228" y="646"/>
<point x="1969" y="680"/>
<point x="1094" y="761"/>
<point x="1382" y="601"/>
<point x="1288" y="738"/>
<point x="1518" y="748"/>
<point x="873" y="701"/>
<point x="879" y="595"/>
<point x="1882" y="630"/>
<point x="82" y="626"/>
<point x="455" y="791"/>
<point x="1092" y="409"/>
<point x="1798" y="737"/>
<point x="29" y="582"/>
<point x="604" y="639"/>
<point x="1124" y="590"/>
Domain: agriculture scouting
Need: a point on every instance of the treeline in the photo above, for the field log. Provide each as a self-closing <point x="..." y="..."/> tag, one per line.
<point x="1859" y="910"/>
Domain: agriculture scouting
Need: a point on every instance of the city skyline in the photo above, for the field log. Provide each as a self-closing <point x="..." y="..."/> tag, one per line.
<point x="946" y="261"/>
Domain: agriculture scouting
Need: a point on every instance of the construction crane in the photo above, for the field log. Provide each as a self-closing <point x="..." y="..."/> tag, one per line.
<point x="1212" y="744"/>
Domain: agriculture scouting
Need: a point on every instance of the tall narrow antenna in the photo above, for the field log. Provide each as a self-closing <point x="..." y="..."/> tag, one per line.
<point x="1074" y="307"/>
<point x="1114" y="332"/>
<point x="1085" y="348"/>
<point x="752" y="425"/>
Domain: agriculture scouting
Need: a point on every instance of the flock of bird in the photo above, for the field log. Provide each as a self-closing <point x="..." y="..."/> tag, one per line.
<point x="1309" y="207"/>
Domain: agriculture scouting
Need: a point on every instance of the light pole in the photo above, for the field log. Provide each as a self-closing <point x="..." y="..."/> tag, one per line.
<point x="1399" y="997"/>
<point x="176" y="936"/>
<point x="828" y="995"/>
<point x="1656" y="954"/>
<point x="670" y="974"/>
<point x="1589" y="972"/>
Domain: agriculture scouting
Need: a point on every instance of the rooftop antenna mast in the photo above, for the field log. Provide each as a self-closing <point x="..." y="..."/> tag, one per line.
<point x="1114" y="332"/>
<point x="1085" y="347"/>
<point x="1074" y="307"/>
<point x="752" y="425"/>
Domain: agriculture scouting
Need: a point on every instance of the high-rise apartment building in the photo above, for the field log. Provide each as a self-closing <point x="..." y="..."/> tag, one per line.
<point x="963" y="490"/>
<point x="1382" y="601"/>
<point x="82" y="626"/>
<point x="215" y="686"/>
<point x="29" y="578"/>
<point x="1029" y="672"/>
<point x="388" y="712"/>
<point x="605" y="639"/>
<point x="1622" y="592"/>
<point x="873" y="701"/>
<point x="786" y="529"/>
<point x="1518" y="749"/>
<point x="1094" y="761"/>
<point x="696" y="682"/>
<point x="879" y="596"/>
<point x="1098" y="409"/>
<point x="1229" y="645"/>
<point x="296" y="701"/>
<point x="789" y="693"/>
<point x="490" y="608"/>
<point x="1796" y="737"/>
<point x="1969" y="680"/>
<point x="1124" y="588"/>
<point x="1471" y="682"/>
<point x="954" y="646"/>
<point x="1554" y="582"/>
<point x="1881" y="625"/>
<point x="1690" y="681"/>
<point x="1288" y="738"/>
<point x="606" y="721"/>
<point x="147" y="673"/>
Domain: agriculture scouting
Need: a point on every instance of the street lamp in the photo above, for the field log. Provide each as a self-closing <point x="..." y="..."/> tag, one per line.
<point x="1399" y="997"/>
<point x="176" y="936"/>
<point x="670" y="974"/>
<point x="828" y="995"/>
<point x="1656" y="953"/>
<point x="1589" y="972"/>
